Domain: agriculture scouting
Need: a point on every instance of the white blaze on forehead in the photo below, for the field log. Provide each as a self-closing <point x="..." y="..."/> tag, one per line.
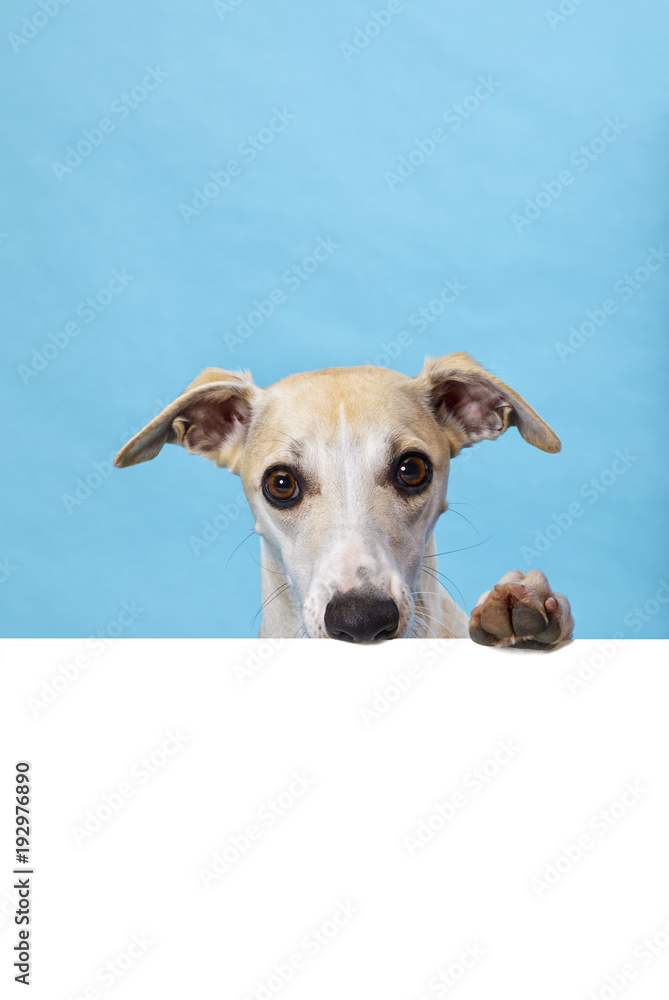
<point x="357" y="458"/>
<point x="347" y="466"/>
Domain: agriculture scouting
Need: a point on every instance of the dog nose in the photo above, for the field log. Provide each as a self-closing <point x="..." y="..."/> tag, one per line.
<point x="356" y="617"/>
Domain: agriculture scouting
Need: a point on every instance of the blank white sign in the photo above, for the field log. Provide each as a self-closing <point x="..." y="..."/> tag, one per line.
<point x="313" y="820"/>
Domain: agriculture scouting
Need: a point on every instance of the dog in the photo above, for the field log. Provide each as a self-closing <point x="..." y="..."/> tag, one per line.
<point x="345" y="471"/>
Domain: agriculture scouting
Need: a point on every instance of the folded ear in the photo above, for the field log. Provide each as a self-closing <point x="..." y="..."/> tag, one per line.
<point x="476" y="405"/>
<point x="210" y="418"/>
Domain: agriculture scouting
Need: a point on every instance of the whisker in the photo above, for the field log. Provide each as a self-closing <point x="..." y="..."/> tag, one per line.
<point x="463" y="549"/>
<point x="424" y="614"/>
<point x="431" y="571"/>
<point x="239" y="546"/>
<point x="450" y="626"/>
<point x="284" y="439"/>
<point x="269" y="600"/>
<point x="450" y="619"/>
<point x="463" y="518"/>
<point x="414" y="632"/>
<point x="268" y="569"/>
<point x="429" y="593"/>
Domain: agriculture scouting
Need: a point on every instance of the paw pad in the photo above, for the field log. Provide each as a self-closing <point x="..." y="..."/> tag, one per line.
<point x="521" y="611"/>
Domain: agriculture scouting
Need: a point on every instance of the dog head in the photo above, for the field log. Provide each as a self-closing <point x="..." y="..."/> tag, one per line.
<point x="345" y="471"/>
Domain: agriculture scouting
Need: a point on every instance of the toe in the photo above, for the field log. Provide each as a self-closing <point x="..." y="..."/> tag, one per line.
<point x="521" y="612"/>
<point x="527" y="616"/>
<point x="495" y="617"/>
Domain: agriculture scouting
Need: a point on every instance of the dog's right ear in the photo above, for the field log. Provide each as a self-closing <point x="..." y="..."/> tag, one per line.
<point x="210" y="418"/>
<point x="476" y="405"/>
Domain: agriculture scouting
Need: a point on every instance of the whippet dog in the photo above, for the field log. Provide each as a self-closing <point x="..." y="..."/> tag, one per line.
<point x="345" y="471"/>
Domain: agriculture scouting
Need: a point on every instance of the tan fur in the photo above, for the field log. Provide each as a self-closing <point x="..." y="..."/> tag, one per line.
<point x="342" y="429"/>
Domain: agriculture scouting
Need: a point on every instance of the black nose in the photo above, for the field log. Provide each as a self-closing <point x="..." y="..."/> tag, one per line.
<point x="358" y="617"/>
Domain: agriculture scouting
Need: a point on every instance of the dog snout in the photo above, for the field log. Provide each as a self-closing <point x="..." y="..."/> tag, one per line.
<point x="360" y="617"/>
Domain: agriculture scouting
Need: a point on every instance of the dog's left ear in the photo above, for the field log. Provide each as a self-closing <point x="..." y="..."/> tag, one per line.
<point x="474" y="404"/>
<point x="211" y="418"/>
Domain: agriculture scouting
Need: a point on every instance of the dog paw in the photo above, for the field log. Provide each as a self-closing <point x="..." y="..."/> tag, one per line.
<point x="521" y="611"/>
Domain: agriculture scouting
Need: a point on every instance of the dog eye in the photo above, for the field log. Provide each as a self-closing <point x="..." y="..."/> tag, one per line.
<point x="280" y="485"/>
<point x="413" y="471"/>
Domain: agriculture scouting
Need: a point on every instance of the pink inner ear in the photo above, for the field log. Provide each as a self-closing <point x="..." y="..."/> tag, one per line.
<point x="213" y="420"/>
<point x="474" y="404"/>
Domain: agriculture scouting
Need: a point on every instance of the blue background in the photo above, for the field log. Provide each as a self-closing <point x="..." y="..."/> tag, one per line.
<point x="69" y="568"/>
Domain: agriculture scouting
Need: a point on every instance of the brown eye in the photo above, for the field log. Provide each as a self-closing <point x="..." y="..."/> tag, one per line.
<point x="281" y="485"/>
<point x="413" y="471"/>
